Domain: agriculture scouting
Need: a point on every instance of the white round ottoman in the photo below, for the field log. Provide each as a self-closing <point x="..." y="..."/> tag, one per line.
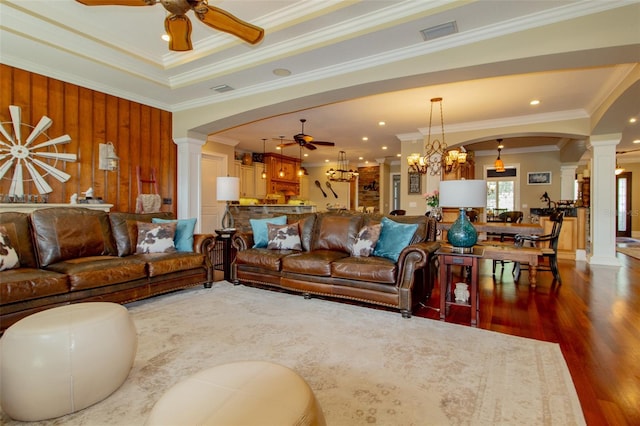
<point x="64" y="359"/>
<point x="239" y="394"/>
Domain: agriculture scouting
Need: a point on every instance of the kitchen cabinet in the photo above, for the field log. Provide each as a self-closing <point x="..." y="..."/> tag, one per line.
<point x="289" y="183"/>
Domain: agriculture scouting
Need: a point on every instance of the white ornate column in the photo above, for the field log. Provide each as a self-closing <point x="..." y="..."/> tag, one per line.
<point x="603" y="199"/>
<point x="189" y="170"/>
<point x="568" y="181"/>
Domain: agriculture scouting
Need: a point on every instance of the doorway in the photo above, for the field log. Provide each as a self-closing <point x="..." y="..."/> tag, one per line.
<point x="623" y="205"/>
<point x="395" y="191"/>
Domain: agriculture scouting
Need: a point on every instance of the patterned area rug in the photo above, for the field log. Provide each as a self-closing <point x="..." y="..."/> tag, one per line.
<point x="366" y="366"/>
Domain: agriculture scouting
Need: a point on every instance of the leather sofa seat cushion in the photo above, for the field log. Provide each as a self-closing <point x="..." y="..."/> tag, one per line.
<point x="262" y="258"/>
<point x="99" y="271"/>
<point x="30" y="283"/>
<point x="166" y="263"/>
<point x="18" y="228"/>
<point x="70" y="233"/>
<point x="125" y="233"/>
<point x="317" y="262"/>
<point x="336" y="232"/>
<point x="373" y="269"/>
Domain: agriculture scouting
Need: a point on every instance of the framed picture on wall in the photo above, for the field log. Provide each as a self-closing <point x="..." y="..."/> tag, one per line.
<point x="415" y="183"/>
<point x="539" y="178"/>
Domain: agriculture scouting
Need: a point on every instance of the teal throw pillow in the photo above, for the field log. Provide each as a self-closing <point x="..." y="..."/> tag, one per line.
<point x="260" y="232"/>
<point x="183" y="239"/>
<point x="394" y="237"/>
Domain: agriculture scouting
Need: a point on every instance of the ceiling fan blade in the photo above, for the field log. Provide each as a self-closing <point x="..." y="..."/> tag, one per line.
<point x="323" y="143"/>
<point x="178" y="28"/>
<point x="288" y="144"/>
<point x="224" y="21"/>
<point x="310" y="146"/>
<point x="117" y="2"/>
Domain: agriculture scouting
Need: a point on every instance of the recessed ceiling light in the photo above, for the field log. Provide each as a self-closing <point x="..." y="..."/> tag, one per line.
<point x="364" y="138"/>
<point x="165" y="37"/>
<point x="381" y="123"/>
<point x="636" y="141"/>
<point x="360" y="158"/>
<point x="384" y="147"/>
<point x="326" y="161"/>
<point x="282" y="72"/>
<point x="632" y="120"/>
<point x="534" y="102"/>
<point x="305" y="155"/>
<point x="399" y="155"/>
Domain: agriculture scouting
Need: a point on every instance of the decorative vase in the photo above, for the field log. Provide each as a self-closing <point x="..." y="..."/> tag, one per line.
<point x="462" y="234"/>
<point x="436" y="212"/>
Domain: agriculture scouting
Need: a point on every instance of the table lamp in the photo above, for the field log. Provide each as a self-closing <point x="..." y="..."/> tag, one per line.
<point x="463" y="194"/>
<point x="227" y="189"/>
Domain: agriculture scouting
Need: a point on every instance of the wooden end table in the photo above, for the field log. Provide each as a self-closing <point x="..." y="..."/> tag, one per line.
<point x="449" y="257"/>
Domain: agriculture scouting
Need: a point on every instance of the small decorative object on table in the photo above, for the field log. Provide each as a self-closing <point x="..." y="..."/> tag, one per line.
<point x="433" y="201"/>
<point x="461" y="293"/>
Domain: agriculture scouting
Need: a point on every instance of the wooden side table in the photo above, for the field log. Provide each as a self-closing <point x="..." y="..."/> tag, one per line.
<point x="447" y="258"/>
<point x="224" y="236"/>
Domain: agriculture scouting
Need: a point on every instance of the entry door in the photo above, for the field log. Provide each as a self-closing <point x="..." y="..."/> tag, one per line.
<point x="623" y="205"/>
<point x="212" y="210"/>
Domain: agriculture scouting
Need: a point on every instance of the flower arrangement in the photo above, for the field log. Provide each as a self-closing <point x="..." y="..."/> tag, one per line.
<point x="433" y="198"/>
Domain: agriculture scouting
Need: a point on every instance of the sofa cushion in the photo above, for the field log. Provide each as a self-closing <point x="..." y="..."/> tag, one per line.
<point x="63" y="233"/>
<point x="8" y="255"/>
<point x="18" y="227"/>
<point x="316" y="262"/>
<point x="262" y="258"/>
<point x="30" y="283"/>
<point x="100" y="271"/>
<point x="306" y="222"/>
<point x="284" y="237"/>
<point x="183" y="239"/>
<point x="336" y="232"/>
<point x="156" y="237"/>
<point x="125" y="232"/>
<point x="373" y="269"/>
<point x="166" y="263"/>
<point x="366" y="240"/>
<point x="394" y="237"/>
<point x="259" y="228"/>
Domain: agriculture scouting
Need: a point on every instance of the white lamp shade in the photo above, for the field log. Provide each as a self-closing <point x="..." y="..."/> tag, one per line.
<point x="228" y="189"/>
<point x="463" y="193"/>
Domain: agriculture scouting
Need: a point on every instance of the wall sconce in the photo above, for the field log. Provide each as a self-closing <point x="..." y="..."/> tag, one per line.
<point x="108" y="159"/>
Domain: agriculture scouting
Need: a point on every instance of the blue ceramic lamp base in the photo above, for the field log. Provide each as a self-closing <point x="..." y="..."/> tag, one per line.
<point x="462" y="235"/>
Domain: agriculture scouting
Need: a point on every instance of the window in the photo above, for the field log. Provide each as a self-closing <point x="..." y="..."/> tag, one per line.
<point x="502" y="191"/>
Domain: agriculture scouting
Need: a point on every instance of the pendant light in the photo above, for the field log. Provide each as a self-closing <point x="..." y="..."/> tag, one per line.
<point x="264" y="169"/>
<point x="499" y="164"/>
<point x="281" y="172"/>
<point x="300" y="170"/>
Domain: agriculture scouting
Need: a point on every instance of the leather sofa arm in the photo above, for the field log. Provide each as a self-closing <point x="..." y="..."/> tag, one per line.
<point x="204" y="243"/>
<point x="242" y="240"/>
<point x="412" y="258"/>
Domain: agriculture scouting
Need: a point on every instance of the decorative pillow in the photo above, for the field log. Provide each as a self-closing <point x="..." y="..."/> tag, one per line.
<point x="284" y="237"/>
<point x="156" y="237"/>
<point x="8" y="255"/>
<point x="184" y="232"/>
<point x="394" y="237"/>
<point x="366" y="240"/>
<point x="259" y="228"/>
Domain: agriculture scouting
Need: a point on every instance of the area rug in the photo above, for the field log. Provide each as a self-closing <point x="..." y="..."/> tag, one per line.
<point x="633" y="251"/>
<point x="366" y="366"/>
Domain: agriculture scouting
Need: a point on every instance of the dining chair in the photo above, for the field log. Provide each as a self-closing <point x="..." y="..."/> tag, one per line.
<point x="550" y="252"/>
<point x="398" y="213"/>
<point x="506" y="217"/>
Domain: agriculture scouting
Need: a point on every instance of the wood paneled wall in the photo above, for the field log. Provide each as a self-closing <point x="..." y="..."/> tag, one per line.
<point x="141" y="136"/>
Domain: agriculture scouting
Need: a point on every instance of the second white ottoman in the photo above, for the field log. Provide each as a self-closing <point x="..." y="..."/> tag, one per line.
<point x="250" y="393"/>
<point x="64" y="359"/>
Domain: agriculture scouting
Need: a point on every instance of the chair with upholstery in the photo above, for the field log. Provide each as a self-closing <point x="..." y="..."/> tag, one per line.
<point x="549" y="252"/>
<point x="473" y="215"/>
<point x="398" y="213"/>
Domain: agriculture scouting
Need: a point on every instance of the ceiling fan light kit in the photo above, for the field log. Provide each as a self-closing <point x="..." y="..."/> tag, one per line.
<point x="178" y="25"/>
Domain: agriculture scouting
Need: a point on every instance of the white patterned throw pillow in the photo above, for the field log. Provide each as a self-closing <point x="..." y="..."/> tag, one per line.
<point x="156" y="237"/>
<point x="284" y="237"/>
<point x="366" y="240"/>
<point x="8" y="255"/>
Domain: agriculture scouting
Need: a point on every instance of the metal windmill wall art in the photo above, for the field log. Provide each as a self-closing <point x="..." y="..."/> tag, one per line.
<point x="17" y="155"/>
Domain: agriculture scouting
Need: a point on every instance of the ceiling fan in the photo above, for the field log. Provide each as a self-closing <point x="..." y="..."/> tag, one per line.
<point x="306" y="141"/>
<point x="178" y="25"/>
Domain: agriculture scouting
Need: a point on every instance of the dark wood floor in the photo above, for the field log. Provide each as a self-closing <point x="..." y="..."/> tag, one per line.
<point x="594" y="316"/>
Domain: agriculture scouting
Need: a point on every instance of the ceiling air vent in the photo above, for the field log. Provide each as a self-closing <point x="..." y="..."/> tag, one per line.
<point x="222" y="88"/>
<point x="439" y="31"/>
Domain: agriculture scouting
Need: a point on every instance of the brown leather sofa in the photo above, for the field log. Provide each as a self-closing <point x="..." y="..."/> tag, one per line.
<point x="325" y="266"/>
<point x="70" y="255"/>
